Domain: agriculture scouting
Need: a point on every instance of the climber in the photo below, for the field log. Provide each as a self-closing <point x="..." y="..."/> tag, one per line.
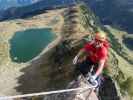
<point x="94" y="54"/>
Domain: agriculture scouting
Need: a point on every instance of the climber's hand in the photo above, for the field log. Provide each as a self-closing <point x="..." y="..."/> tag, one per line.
<point x="92" y="80"/>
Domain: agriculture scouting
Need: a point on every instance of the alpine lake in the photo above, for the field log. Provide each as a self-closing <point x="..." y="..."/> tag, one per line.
<point x="27" y="44"/>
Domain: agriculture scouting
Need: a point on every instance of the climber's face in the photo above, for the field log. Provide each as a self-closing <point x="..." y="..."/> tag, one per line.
<point x="98" y="43"/>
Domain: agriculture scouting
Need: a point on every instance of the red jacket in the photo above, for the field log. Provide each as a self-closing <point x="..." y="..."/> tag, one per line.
<point x="96" y="54"/>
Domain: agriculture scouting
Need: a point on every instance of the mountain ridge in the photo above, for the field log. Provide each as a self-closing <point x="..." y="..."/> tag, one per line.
<point x="114" y="12"/>
<point x="33" y="9"/>
<point x="5" y="4"/>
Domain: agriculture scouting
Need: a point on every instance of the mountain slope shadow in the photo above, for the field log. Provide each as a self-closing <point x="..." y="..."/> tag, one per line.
<point x="43" y="75"/>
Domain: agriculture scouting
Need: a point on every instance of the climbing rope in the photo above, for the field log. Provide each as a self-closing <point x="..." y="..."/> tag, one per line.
<point x="47" y="93"/>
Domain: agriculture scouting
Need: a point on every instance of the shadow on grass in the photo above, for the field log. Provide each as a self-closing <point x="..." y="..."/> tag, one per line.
<point x="43" y="75"/>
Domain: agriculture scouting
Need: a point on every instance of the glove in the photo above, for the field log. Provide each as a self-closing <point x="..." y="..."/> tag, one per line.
<point x="92" y="79"/>
<point x="75" y="60"/>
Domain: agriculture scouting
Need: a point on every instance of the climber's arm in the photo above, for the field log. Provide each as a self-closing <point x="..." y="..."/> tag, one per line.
<point x="100" y="67"/>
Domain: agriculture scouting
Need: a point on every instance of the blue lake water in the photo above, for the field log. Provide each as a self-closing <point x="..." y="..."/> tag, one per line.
<point x="25" y="45"/>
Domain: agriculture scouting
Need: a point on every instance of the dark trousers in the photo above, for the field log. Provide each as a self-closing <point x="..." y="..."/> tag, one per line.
<point x="86" y="66"/>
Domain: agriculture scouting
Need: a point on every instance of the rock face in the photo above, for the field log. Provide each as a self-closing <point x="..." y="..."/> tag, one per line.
<point x="87" y="94"/>
<point x="108" y="91"/>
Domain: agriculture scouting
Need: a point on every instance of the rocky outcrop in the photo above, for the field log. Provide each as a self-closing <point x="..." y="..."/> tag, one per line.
<point x="85" y="94"/>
